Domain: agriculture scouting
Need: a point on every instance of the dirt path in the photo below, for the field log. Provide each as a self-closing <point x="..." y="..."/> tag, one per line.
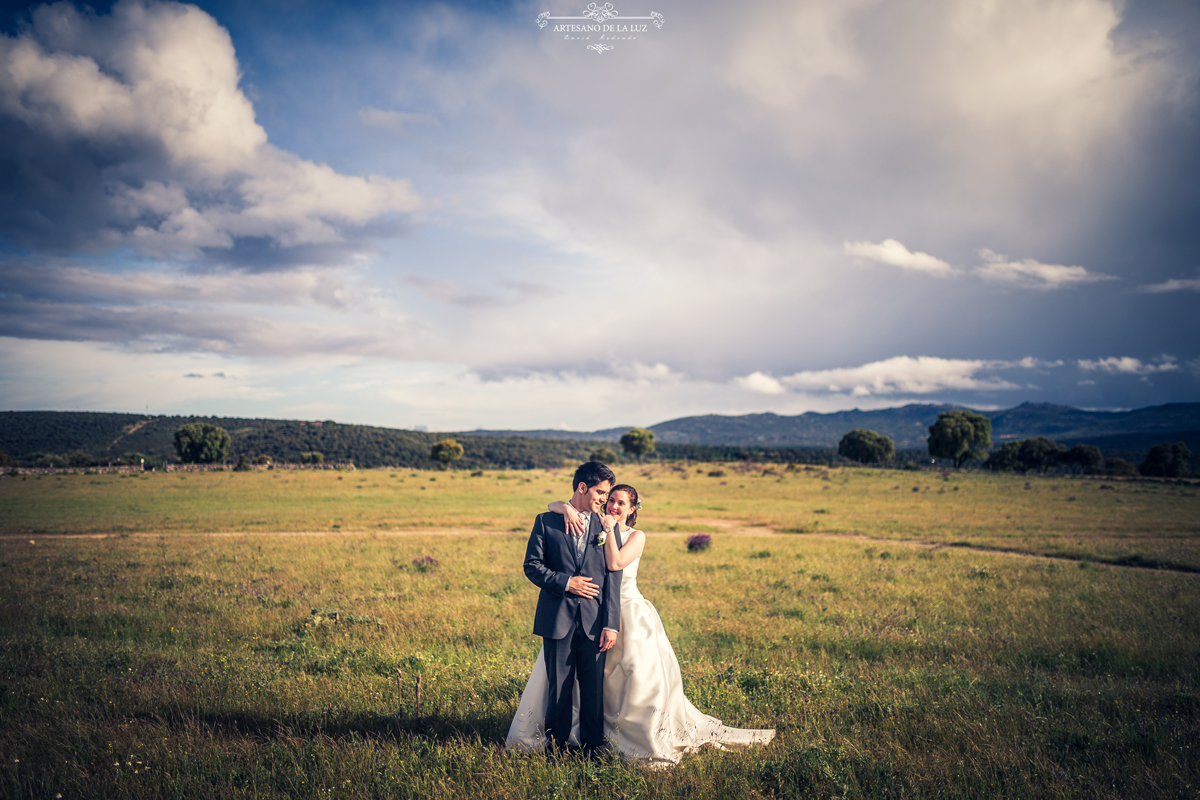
<point x="725" y="526"/>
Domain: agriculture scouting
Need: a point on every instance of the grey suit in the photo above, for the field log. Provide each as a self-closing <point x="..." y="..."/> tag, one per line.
<point x="570" y="625"/>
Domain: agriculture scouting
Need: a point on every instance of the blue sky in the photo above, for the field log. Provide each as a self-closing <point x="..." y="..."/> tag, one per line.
<point x="440" y="214"/>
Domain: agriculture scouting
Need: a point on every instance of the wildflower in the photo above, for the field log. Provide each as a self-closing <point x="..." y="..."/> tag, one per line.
<point x="425" y="563"/>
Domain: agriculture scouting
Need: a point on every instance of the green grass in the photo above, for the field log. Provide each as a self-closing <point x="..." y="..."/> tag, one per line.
<point x="1133" y="522"/>
<point x="889" y="668"/>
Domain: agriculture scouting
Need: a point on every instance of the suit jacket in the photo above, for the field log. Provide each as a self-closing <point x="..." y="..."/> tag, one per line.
<point x="550" y="562"/>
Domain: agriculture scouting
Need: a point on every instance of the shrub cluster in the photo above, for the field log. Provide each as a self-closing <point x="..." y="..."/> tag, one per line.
<point x="1041" y="454"/>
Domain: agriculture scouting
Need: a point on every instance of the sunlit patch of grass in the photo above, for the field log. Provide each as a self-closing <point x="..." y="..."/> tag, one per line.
<point x="1135" y="523"/>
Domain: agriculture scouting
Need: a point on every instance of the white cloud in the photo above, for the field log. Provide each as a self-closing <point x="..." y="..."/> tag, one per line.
<point x="709" y="233"/>
<point x="892" y="252"/>
<point x="1173" y="285"/>
<point x="760" y="382"/>
<point x="147" y="97"/>
<point x="395" y="121"/>
<point x="67" y="281"/>
<point x="444" y="396"/>
<point x="788" y="49"/>
<point x="1129" y="366"/>
<point x="645" y="375"/>
<point x="903" y="375"/>
<point x="1029" y="362"/>
<point x="1034" y="274"/>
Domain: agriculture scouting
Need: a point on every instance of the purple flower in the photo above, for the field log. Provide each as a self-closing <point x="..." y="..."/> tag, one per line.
<point x="425" y="563"/>
<point x="700" y="541"/>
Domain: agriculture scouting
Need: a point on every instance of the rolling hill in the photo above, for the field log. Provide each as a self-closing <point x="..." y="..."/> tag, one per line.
<point x="907" y="426"/>
<point x="803" y="437"/>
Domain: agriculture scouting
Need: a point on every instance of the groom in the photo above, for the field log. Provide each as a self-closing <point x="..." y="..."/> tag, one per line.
<point x="579" y="608"/>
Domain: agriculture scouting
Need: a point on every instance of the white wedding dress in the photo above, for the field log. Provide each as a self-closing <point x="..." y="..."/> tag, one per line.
<point x="646" y="716"/>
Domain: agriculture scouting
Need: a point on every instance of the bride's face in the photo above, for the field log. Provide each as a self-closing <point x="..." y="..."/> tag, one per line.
<point x="619" y="505"/>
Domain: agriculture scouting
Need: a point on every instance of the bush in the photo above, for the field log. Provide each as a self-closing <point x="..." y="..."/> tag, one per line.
<point x="134" y="459"/>
<point x="1005" y="458"/>
<point x="1040" y="453"/>
<point x="81" y="458"/>
<point x="47" y="461"/>
<point x="1119" y="468"/>
<point x="1167" y="461"/>
<point x="1084" y="458"/>
<point x="866" y="447"/>
<point x="445" y="451"/>
<point x="698" y="542"/>
<point x="717" y="473"/>
<point x="312" y="457"/>
<point x="605" y="455"/>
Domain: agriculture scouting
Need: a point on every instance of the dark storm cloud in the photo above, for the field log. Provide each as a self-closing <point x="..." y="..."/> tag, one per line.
<point x="129" y="131"/>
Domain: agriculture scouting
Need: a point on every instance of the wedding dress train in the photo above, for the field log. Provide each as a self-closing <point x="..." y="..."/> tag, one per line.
<point x="646" y="715"/>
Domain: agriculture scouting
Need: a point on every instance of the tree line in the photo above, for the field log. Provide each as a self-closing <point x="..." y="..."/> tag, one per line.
<point x="959" y="436"/>
<point x="963" y="436"/>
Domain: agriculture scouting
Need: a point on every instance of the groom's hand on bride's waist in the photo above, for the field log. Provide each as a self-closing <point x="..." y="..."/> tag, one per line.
<point x="583" y="587"/>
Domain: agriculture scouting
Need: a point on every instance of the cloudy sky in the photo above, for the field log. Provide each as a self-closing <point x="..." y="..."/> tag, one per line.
<point x="442" y="214"/>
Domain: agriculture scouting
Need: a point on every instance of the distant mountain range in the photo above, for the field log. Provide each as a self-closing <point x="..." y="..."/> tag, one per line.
<point x="907" y="426"/>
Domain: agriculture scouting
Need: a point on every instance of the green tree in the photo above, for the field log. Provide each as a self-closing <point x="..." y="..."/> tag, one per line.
<point x="445" y="451"/>
<point x="312" y="457"/>
<point x="638" y="442"/>
<point x="129" y="459"/>
<point x="1040" y="453"/>
<point x="605" y="455"/>
<point x="47" y="460"/>
<point x="1119" y="468"/>
<point x="1084" y="457"/>
<point x="81" y="458"/>
<point x="867" y="447"/>
<point x="1005" y="458"/>
<point x="960" y="435"/>
<point x="1167" y="461"/>
<point x="6" y="460"/>
<point x="201" y="443"/>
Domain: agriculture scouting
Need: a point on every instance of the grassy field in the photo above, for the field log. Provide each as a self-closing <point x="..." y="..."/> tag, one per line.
<point x="1124" y="522"/>
<point x="166" y="661"/>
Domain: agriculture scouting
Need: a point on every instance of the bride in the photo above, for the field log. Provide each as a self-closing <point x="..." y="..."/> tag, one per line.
<point x="646" y="715"/>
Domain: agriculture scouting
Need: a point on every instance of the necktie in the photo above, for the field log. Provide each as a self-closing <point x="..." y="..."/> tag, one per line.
<point x="581" y="538"/>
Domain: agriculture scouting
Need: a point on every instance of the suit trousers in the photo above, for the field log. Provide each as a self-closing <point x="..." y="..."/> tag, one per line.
<point x="575" y="656"/>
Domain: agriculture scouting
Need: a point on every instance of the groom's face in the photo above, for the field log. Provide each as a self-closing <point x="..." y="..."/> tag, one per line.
<point x="593" y="498"/>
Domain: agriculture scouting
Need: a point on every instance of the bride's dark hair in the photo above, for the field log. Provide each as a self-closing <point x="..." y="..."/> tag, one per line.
<point x="634" y="502"/>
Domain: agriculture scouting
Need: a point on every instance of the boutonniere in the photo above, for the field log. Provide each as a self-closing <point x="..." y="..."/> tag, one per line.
<point x="601" y="537"/>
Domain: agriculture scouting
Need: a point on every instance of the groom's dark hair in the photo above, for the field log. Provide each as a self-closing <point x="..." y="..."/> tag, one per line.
<point x="592" y="473"/>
